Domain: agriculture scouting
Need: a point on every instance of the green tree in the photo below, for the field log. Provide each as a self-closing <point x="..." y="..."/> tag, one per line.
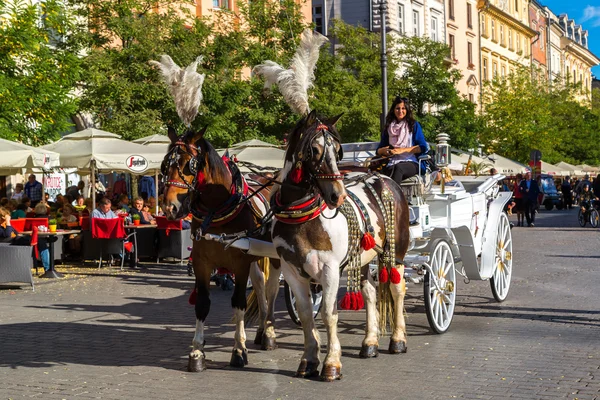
<point x="38" y="71"/>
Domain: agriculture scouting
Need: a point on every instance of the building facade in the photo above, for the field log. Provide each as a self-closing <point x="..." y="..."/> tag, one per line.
<point x="538" y="21"/>
<point x="463" y="39"/>
<point x="505" y="37"/>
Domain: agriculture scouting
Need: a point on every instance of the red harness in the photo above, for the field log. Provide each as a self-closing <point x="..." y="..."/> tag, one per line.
<point x="300" y="213"/>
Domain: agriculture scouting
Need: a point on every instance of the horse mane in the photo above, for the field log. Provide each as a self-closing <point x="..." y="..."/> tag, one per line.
<point x="214" y="165"/>
<point x="305" y="129"/>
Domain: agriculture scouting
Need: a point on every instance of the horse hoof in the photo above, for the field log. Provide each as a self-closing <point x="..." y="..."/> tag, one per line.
<point x="239" y="360"/>
<point x="307" y="369"/>
<point x="371" y="351"/>
<point x="268" y="343"/>
<point x="331" y="373"/>
<point x="258" y="339"/>
<point x="196" y="363"/>
<point x="397" y="347"/>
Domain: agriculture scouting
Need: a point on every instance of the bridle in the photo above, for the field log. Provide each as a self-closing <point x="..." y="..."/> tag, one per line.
<point x="315" y="166"/>
<point x="172" y="160"/>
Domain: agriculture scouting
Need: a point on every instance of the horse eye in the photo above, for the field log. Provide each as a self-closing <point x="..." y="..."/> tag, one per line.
<point x="316" y="149"/>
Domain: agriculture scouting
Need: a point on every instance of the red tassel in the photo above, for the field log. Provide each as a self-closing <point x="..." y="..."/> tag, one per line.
<point x="395" y="276"/>
<point x="367" y="242"/>
<point x="128" y="246"/>
<point x="192" y="299"/>
<point x="353" y="304"/>
<point x="383" y="275"/>
<point x="345" y="302"/>
<point x="296" y="174"/>
<point x="360" y="301"/>
<point x="200" y="179"/>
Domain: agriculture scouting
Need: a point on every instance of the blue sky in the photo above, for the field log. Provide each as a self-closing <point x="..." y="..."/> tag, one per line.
<point x="587" y="14"/>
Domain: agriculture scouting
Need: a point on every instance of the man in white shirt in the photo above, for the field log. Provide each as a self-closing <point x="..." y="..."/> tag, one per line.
<point x="103" y="210"/>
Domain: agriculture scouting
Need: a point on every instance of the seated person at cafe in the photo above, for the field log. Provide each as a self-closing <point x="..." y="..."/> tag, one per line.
<point x="147" y="214"/>
<point x="123" y="203"/>
<point x="103" y="210"/>
<point x="7" y="232"/>
<point x="68" y="214"/>
<point x="19" y="212"/>
<point x="80" y="203"/>
<point x="41" y="211"/>
<point x="25" y="200"/>
<point x="138" y="205"/>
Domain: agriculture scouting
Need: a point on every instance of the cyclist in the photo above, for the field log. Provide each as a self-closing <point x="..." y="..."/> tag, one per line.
<point x="586" y="198"/>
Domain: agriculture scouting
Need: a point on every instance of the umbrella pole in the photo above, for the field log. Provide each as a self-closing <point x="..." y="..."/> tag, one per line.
<point x="156" y="191"/>
<point x="93" y="185"/>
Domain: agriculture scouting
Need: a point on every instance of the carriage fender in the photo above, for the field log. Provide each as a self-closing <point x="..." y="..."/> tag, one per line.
<point x="443" y="234"/>
<point x="490" y="234"/>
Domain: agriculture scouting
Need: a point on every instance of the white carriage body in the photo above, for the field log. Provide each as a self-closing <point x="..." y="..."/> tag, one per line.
<point x="466" y="217"/>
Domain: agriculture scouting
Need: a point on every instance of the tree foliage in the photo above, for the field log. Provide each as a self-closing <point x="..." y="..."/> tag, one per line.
<point x="38" y="71"/>
<point x="524" y="114"/>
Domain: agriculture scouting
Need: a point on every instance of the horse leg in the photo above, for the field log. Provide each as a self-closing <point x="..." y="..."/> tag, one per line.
<point x="197" y="359"/>
<point x="309" y="364"/>
<point x="398" y="339"/>
<point x="269" y="339"/>
<point x="370" y="344"/>
<point x="258" y="285"/>
<point x="332" y="367"/>
<point x="239" y="356"/>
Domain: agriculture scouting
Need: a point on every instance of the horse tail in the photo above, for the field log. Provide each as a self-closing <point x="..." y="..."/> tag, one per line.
<point x="252" y="312"/>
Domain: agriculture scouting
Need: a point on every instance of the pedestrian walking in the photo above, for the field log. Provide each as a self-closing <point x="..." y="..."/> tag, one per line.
<point x="567" y="191"/>
<point x="530" y="190"/>
<point x="518" y="208"/>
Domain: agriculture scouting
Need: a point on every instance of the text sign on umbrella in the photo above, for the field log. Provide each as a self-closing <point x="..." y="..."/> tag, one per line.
<point x="136" y="163"/>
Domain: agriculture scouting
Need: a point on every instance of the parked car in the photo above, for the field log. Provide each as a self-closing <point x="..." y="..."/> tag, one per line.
<point x="550" y="196"/>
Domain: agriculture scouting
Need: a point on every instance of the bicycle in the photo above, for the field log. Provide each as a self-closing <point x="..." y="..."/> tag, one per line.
<point x="590" y="215"/>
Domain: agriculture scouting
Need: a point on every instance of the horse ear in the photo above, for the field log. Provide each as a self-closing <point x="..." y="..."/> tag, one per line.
<point x="311" y="119"/>
<point x="199" y="135"/>
<point x="172" y="133"/>
<point x="335" y="119"/>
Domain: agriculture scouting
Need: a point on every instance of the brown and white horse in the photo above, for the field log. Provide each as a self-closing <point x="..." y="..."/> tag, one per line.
<point x="312" y="239"/>
<point x="199" y="181"/>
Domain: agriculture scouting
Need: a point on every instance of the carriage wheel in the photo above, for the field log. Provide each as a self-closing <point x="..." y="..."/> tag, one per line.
<point x="581" y="218"/>
<point x="290" y="301"/>
<point x="500" y="280"/>
<point x="594" y="218"/>
<point x="440" y="288"/>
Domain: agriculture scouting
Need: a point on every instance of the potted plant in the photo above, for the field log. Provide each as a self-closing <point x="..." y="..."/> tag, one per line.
<point x="52" y="225"/>
<point x="136" y="219"/>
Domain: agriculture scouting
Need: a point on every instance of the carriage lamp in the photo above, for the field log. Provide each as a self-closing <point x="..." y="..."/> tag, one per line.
<point x="442" y="153"/>
<point x="442" y="157"/>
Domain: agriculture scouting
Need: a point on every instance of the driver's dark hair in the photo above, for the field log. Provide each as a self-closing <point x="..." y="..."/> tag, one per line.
<point x="391" y="116"/>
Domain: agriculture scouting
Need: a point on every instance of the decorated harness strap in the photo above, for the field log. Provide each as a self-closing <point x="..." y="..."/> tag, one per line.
<point x="299" y="212"/>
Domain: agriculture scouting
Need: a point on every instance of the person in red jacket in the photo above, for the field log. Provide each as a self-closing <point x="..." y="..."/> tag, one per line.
<point x="120" y="187"/>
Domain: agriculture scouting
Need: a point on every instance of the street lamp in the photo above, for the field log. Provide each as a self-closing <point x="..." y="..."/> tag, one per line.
<point x="382" y="10"/>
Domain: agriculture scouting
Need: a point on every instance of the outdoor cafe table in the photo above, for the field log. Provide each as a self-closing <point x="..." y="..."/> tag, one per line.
<point x="52" y="273"/>
<point x="133" y="228"/>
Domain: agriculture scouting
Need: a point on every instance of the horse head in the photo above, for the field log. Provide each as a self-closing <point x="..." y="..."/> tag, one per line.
<point x="180" y="169"/>
<point x="311" y="159"/>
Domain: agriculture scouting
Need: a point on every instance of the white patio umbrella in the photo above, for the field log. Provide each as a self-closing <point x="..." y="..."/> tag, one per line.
<point x="15" y="156"/>
<point x="257" y="152"/>
<point x="573" y="170"/>
<point x="156" y="141"/>
<point x="96" y="150"/>
<point x="548" y="168"/>
<point x="506" y="166"/>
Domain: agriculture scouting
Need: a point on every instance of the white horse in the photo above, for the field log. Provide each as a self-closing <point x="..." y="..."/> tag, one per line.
<point x="313" y="239"/>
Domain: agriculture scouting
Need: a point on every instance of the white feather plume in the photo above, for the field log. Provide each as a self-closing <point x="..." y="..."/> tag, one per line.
<point x="184" y="85"/>
<point x="294" y="82"/>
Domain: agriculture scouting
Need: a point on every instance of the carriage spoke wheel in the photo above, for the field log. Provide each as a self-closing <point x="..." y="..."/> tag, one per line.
<point x="290" y="301"/>
<point x="500" y="281"/>
<point x="440" y="288"/>
<point x="594" y="218"/>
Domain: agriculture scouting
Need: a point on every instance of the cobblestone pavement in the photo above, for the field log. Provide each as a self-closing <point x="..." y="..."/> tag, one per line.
<point x="125" y="335"/>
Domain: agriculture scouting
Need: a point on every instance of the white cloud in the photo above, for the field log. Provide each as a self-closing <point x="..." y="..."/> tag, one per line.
<point x="592" y="14"/>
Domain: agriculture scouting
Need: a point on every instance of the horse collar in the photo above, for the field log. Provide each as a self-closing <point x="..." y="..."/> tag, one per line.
<point x="299" y="211"/>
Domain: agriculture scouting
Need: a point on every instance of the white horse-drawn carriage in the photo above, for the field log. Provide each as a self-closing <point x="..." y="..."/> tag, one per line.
<point x="455" y="231"/>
